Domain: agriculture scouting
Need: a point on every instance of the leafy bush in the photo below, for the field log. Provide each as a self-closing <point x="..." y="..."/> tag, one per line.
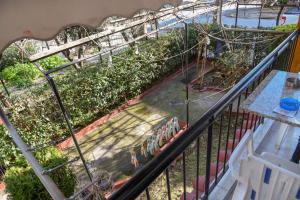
<point x="13" y="55"/>
<point x="52" y="62"/>
<point x="100" y="89"/>
<point x="9" y="154"/>
<point x="20" y="75"/>
<point x="22" y="183"/>
<point x="287" y="27"/>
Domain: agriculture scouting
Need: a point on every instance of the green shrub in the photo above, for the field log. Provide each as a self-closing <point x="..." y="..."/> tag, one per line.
<point x="13" y="55"/>
<point x="287" y="27"/>
<point x="52" y="62"/>
<point x="9" y="154"/>
<point x="22" y="183"/>
<point x="20" y="75"/>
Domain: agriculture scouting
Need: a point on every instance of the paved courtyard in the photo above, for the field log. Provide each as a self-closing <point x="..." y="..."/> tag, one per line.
<point x="108" y="146"/>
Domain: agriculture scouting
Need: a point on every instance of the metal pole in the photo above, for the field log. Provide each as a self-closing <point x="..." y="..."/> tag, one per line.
<point x="259" y="16"/>
<point x="109" y="44"/>
<point x="208" y="157"/>
<point x="186" y="54"/>
<point x="63" y="110"/>
<point x="193" y="14"/>
<point x="66" y="117"/>
<point x="186" y="32"/>
<point x="156" y="27"/>
<point x="48" y="183"/>
<point x="236" y="14"/>
<point x="4" y="86"/>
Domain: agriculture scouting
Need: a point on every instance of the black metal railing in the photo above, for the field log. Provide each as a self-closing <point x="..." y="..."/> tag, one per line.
<point x="222" y="126"/>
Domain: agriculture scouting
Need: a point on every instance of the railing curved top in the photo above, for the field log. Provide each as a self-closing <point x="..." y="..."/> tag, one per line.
<point x="143" y="178"/>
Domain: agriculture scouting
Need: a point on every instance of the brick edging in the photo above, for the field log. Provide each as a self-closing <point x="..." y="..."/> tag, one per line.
<point x="2" y="186"/>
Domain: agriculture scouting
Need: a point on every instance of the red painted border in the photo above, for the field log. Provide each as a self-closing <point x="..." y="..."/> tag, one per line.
<point x="89" y="128"/>
<point x="2" y="186"/>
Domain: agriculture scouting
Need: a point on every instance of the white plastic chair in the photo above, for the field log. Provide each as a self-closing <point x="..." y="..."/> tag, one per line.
<point x="262" y="177"/>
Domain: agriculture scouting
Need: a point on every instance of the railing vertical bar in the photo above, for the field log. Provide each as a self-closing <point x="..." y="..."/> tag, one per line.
<point x="285" y="57"/>
<point x="219" y="146"/>
<point x="259" y="81"/>
<point x="292" y="53"/>
<point x="168" y="184"/>
<point x="289" y="56"/>
<point x="184" y="175"/>
<point x="148" y="194"/>
<point x="259" y="117"/>
<point x="197" y="167"/>
<point x="208" y="157"/>
<point x="255" y="122"/>
<point x="227" y="136"/>
<point x="252" y="116"/>
<point x="248" y="115"/>
<point x="241" y="127"/>
<point x="236" y="120"/>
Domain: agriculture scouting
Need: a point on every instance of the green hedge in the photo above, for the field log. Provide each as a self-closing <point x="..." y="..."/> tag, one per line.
<point x="23" y="184"/>
<point x="23" y="74"/>
<point x="20" y="75"/>
<point x="287" y="27"/>
<point x="52" y="62"/>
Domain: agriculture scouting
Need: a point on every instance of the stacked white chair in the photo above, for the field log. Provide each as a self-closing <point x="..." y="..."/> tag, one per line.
<point x="263" y="177"/>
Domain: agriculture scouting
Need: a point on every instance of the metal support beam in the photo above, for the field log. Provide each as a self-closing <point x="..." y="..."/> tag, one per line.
<point x="259" y="17"/>
<point x="236" y="14"/>
<point x="66" y="117"/>
<point x="186" y="57"/>
<point x="156" y="28"/>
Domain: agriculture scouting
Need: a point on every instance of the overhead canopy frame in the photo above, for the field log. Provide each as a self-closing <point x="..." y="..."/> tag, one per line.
<point x="44" y="19"/>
